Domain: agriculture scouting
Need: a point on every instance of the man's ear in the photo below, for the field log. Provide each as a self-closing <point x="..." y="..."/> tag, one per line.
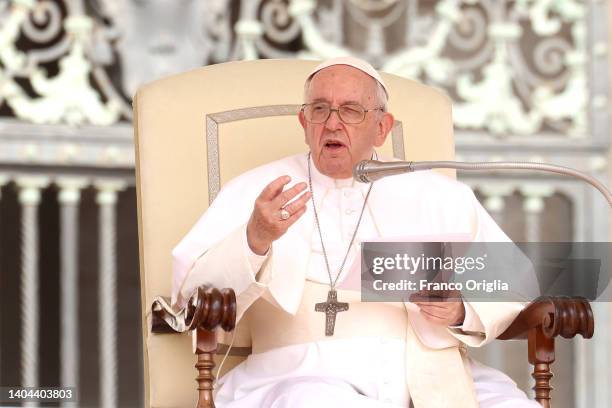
<point x="385" y="124"/>
<point x="302" y="119"/>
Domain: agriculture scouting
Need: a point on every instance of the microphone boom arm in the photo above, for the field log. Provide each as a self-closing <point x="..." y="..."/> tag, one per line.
<point x="367" y="171"/>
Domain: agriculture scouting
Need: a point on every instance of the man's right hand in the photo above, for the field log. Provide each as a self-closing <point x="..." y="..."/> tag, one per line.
<point x="266" y="225"/>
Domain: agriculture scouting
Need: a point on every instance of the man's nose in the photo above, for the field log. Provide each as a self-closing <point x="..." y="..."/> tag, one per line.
<point x="333" y="122"/>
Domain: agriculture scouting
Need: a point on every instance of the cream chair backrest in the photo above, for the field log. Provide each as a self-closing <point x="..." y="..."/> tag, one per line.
<point x="197" y="130"/>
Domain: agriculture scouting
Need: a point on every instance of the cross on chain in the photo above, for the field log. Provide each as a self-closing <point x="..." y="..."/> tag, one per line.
<point x="331" y="308"/>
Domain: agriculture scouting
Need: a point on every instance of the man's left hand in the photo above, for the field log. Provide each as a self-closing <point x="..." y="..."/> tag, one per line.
<point x="444" y="308"/>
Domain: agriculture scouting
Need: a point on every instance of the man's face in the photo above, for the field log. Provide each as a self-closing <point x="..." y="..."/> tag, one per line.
<point x="336" y="146"/>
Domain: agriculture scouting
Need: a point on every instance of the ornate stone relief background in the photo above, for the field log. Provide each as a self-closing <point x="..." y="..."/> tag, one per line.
<point x="512" y="67"/>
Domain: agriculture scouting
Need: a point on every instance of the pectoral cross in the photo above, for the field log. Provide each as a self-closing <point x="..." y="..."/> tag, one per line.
<point x="331" y="308"/>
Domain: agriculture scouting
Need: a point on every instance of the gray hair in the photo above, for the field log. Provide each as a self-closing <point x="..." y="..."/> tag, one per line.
<point x="381" y="95"/>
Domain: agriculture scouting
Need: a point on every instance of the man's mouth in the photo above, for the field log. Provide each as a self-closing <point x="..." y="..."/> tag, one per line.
<point x="334" y="145"/>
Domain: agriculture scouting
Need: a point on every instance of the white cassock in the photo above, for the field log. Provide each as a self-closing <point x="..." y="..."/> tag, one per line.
<point x="368" y="362"/>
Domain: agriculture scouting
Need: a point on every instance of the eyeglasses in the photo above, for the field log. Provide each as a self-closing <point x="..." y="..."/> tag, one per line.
<point x="350" y="113"/>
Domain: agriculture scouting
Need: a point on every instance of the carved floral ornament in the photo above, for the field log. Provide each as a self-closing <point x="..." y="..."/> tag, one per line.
<point x="511" y="67"/>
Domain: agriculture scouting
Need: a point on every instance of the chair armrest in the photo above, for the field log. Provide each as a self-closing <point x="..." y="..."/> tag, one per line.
<point x="207" y="308"/>
<point x="540" y="322"/>
<point x="554" y="316"/>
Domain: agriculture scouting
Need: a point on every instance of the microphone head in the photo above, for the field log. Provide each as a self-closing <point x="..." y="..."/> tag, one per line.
<point x="360" y="172"/>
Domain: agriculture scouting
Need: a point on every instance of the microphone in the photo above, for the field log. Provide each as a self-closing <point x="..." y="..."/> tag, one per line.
<point x="367" y="171"/>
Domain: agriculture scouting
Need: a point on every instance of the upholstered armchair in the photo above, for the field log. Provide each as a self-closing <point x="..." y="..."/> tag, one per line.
<point x="197" y="130"/>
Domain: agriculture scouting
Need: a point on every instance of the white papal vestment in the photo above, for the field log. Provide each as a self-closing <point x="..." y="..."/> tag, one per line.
<point x="366" y="366"/>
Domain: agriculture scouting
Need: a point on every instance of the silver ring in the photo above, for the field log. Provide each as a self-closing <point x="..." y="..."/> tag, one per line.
<point x="284" y="214"/>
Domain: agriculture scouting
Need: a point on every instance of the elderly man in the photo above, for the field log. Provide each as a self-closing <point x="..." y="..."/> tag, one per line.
<point x="286" y="251"/>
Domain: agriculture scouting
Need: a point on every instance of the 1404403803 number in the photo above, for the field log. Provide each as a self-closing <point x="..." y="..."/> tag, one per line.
<point x="14" y="394"/>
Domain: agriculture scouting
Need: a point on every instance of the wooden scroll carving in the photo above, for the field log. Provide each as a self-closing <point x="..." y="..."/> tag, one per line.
<point x="205" y="311"/>
<point x="540" y="322"/>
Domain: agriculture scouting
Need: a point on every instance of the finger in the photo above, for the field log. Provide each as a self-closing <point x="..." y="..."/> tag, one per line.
<point x="446" y="303"/>
<point x="436" y="296"/>
<point x="432" y="318"/>
<point x="439" y="294"/>
<point x="299" y="203"/>
<point x="295" y="217"/>
<point x="450" y="315"/>
<point x="284" y="197"/>
<point x="425" y="297"/>
<point x="274" y="188"/>
<point x="432" y="304"/>
<point x="435" y="311"/>
<point x="445" y="319"/>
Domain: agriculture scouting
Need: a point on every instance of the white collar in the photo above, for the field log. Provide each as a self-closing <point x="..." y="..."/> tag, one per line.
<point x="321" y="179"/>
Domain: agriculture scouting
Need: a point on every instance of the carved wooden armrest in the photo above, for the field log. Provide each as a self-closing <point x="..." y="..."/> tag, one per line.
<point x="206" y="310"/>
<point x="540" y="322"/>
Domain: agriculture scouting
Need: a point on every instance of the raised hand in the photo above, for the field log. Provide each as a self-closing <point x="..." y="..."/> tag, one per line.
<point x="272" y="216"/>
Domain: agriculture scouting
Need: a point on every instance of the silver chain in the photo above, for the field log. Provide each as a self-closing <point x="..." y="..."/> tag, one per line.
<point x="332" y="282"/>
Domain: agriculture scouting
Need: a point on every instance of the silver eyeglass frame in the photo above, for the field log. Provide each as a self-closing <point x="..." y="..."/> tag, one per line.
<point x="337" y="110"/>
